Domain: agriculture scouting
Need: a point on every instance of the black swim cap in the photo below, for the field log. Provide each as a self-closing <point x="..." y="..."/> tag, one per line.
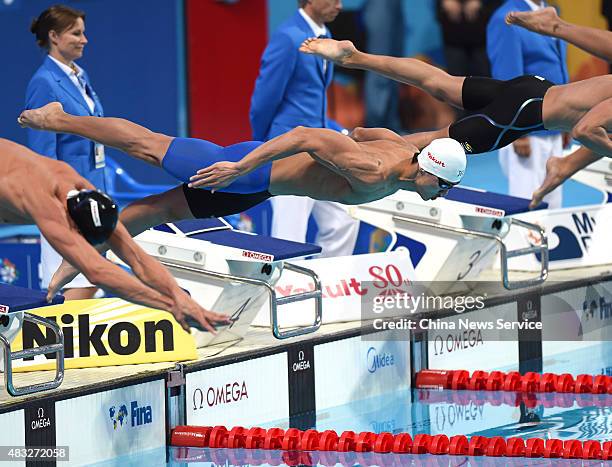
<point x="94" y="213"/>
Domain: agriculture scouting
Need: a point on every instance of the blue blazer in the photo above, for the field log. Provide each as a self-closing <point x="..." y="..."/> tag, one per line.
<point x="515" y="51"/>
<point x="291" y="87"/>
<point x="50" y="84"/>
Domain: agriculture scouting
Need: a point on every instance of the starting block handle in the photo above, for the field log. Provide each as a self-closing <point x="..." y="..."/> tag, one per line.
<point x="314" y="294"/>
<point x="274" y="301"/>
<point x="542" y="249"/>
<point x="57" y="348"/>
<point x="504" y="253"/>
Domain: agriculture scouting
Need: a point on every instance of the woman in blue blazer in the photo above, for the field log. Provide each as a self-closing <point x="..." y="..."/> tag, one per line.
<point x="60" y="31"/>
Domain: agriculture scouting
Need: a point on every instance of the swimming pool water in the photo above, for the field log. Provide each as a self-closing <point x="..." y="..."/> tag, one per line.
<point x="506" y="414"/>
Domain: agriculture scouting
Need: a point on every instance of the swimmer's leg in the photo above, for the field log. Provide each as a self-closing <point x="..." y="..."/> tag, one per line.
<point x="170" y="206"/>
<point x="183" y="202"/>
<point x="133" y="139"/>
<point x="434" y="81"/>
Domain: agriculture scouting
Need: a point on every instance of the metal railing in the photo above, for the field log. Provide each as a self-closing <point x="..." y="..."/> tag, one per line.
<point x="505" y="254"/>
<point x="57" y="348"/>
<point x="273" y="300"/>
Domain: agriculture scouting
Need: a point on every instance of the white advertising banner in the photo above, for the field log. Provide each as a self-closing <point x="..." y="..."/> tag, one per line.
<point x="577" y="330"/>
<point x="343" y="282"/>
<point x="457" y="344"/>
<point x="112" y="424"/>
<point x="356" y="369"/>
<point x="577" y="237"/>
<point x="13" y="433"/>
<point x="249" y="393"/>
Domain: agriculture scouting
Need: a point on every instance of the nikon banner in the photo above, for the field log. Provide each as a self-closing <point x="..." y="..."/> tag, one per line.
<point x="106" y="332"/>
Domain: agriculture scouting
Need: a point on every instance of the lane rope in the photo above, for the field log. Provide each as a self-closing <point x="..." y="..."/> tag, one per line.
<point x="312" y="440"/>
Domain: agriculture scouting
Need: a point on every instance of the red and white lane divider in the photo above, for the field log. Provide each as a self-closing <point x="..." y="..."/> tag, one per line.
<point x="403" y="443"/>
<point x="515" y="399"/>
<point x="513" y="381"/>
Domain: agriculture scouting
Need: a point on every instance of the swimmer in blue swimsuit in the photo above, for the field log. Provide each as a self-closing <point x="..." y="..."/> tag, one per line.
<point x="318" y="163"/>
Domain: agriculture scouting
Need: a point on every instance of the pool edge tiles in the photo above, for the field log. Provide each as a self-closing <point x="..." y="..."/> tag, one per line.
<point x="15" y="436"/>
<point x="250" y="392"/>
<point x="109" y="424"/>
<point x="475" y="349"/>
<point x="358" y="368"/>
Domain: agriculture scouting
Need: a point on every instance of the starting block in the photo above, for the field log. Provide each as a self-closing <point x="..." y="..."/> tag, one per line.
<point x="455" y="238"/>
<point x="578" y="236"/>
<point x="13" y="303"/>
<point x="203" y="253"/>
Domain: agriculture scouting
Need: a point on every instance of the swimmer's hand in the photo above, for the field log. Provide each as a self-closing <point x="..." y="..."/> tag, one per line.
<point x="186" y="308"/>
<point x="64" y="274"/>
<point x="339" y="52"/>
<point x="217" y="176"/>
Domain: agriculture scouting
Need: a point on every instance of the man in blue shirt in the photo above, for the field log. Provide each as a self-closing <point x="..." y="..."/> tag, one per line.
<point x="291" y="91"/>
<point x="515" y="52"/>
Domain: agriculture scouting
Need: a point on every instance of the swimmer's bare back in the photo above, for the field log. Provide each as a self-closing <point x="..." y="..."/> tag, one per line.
<point x="372" y="176"/>
<point x="28" y="181"/>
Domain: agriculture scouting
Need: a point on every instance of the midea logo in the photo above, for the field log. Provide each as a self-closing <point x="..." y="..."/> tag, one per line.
<point x="376" y="361"/>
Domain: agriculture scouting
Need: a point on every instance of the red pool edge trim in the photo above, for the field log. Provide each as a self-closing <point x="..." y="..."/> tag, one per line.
<point x="513" y="381"/>
<point x="402" y="443"/>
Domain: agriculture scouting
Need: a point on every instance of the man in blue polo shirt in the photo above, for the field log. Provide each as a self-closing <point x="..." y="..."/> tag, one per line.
<point x="515" y="52"/>
<point x="291" y="91"/>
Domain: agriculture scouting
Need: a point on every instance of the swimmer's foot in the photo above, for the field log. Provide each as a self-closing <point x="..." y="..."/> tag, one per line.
<point x="43" y="118"/>
<point x="339" y="52"/>
<point x="555" y="176"/>
<point x="545" y="21"/>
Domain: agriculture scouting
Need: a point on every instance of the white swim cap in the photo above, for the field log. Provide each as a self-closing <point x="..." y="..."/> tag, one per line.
<point x="444" y="158"/>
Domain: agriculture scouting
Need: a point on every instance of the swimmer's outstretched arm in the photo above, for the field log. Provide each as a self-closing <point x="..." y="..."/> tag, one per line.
<point x="592" y="129"/>
<point x="138" y="216"/>
<point x="430" y="79"/>
<point x="74" y="248"/>
<point x="546" y="21"/>
<point x="334" y="150"/>
<point x="360" y="135"/>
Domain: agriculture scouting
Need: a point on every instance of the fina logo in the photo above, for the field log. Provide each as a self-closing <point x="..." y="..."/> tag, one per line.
<point x="8" y="272"/>
<point x="376" y="361"/>
<point x="138" y="415"/>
